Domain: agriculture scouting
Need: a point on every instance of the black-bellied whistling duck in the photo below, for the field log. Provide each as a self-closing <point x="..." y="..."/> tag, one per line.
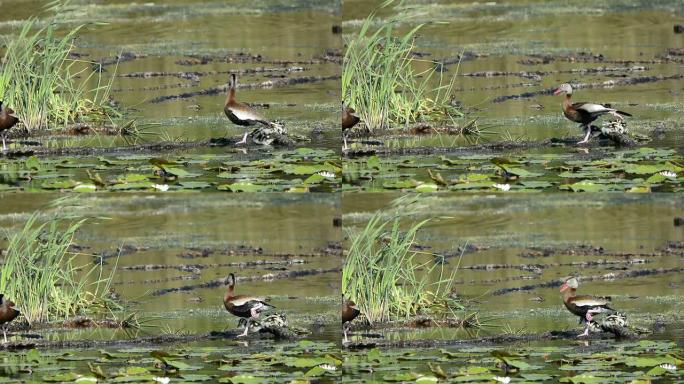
<point x="7" y="120"/>
<point x="241" y="113"/>
<point x="7" y="314"/>
<point x="248" y="307"/>
<point x="585" y="113"/>
<point x="349" y="313"/>
<point x="348" y="121"/>
<point x="583" y="306"/>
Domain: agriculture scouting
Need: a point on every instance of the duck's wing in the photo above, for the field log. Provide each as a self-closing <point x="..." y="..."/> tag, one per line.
<point x="250" y="302"/>
<point x="586" y="301"/>
<point x="592" y="108"/>
<point x="244" y="112"/>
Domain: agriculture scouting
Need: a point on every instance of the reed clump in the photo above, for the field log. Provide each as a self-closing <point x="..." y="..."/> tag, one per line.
<point x="383" y="82"/>
<point x="46" y="84"/>
<point x="41" y="275"/>
<point x="390" y="279"/>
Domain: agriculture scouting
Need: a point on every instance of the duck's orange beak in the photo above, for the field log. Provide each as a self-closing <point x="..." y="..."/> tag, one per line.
<point x="557" y="91"/>
<point x="564" y="287"/>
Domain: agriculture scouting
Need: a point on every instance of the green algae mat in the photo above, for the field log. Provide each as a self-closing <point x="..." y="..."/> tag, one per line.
<point x="299" y="170"/>
<point x="594" y="362"/>
<point x="637" y="170"/>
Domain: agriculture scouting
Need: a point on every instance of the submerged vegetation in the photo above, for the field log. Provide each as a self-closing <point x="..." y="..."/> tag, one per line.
<point x="40" y="272"/>
<point x="383" y="81"/>
<point x="389" y="279"/>
<point x="47" y="84"/>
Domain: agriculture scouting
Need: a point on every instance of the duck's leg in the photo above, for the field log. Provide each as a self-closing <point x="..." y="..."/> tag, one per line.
<point x="246" y="329"/>
<point x="4" y="147"/>
<point x="344" y="138"/>
<point x="4" y="333"/>
<point x="244" y="139"/>
<point x="585" y="333"/>
<point x="586" y="137"/>
<point x="344" y="331"/>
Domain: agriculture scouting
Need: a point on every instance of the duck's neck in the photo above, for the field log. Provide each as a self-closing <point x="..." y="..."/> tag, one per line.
<point x="569" y="294"/>
<point x="230" y="98"/>
<point x="230" y="293"/>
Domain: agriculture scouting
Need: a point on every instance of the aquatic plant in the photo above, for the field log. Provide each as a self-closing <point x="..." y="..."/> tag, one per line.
<point x="385" y="276"/>
<point x="381" y="79"/>
<point x="45" y="85"/>
<point x="41" y="276"/>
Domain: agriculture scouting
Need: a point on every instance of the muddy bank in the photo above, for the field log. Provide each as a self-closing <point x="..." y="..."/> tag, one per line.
<point x="265" y="84"/>
<point x="137" y="341"/>
<point x="606" y="276"/>
<point x="506" y="339"/>
<point x="603" y="84"/>
<point x="266" y="277"/>
<point x="482" y="147"/>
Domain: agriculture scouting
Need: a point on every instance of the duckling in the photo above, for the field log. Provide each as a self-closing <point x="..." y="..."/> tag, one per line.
<point x="7" y="120"/>
<point x="7" y="314"/>
<point x="349" y="120"/>
<point x="248" y="307"/>
<point x="349" y="313"/>
<point x="242" y="114"/>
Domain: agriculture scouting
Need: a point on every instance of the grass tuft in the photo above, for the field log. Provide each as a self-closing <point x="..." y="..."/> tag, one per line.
<point x="45" y="85"/>
<point x="388" y="279"/>
<point x="380" y="79"/>
<point x="40" y="275"/>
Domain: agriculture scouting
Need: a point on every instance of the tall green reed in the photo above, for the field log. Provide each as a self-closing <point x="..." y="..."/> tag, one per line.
<point x="381" y="79"/>
<point x="41" y="276"/>
<point x="46" y="86"/>
<point x="390" y="280"/>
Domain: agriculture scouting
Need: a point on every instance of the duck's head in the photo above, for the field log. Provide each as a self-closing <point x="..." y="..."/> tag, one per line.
<point x="563" y="88"/>
<point x="232" y="81"/>
<point x="230" y="280"/>
<point x="570" y="283"/>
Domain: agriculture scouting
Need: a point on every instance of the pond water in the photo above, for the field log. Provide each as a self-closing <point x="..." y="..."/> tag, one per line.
<point x="511" y="48"/>
<point x="190" y="46"/>
<point x="518" y="241"/>
<point x="505" y="249"/>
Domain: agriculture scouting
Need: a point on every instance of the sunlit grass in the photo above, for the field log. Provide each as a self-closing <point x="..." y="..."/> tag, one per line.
<point x="45" y="86"/>
<point x="382" y="82"/>
<point x="390" y="280"/>
<point x="41" y="276"/>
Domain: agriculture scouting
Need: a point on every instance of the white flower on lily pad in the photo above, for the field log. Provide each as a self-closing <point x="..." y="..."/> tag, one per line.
<point x="504" y="379"/>
<point x="163" y="380"/>
<point x="327" y="174"/>
<point x="669" y="174"/>
<point x="669" y="367"/>
<point x="328" y="367"/>
<point x="161" y="187"/>
<point x="503" y="187"/>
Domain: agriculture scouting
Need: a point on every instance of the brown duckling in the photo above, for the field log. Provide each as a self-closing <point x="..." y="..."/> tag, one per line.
<point x="7" y="314"/>
<point x="349" y="313"/>
<point x="7" y="120"/>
